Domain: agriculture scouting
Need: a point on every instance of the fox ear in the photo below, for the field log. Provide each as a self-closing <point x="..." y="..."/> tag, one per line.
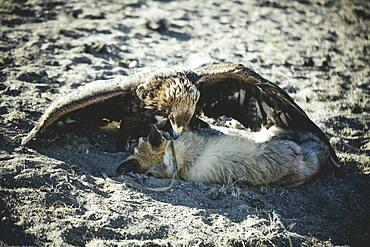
<point x="155" y="137"/>
<point x="141" y="140"/>
<point x="129" y="165"/>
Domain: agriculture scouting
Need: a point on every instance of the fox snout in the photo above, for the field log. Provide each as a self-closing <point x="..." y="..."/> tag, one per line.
<point x="147" y="154"/>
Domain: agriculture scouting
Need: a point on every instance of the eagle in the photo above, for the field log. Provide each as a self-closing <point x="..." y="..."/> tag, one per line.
<point x="181" y="96"/>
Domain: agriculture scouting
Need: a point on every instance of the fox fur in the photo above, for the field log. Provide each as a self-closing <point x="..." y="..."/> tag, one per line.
<point x="282" y="157"/>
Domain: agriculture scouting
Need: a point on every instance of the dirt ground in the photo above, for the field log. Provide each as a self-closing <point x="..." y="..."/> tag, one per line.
<point x="63" y="191"/>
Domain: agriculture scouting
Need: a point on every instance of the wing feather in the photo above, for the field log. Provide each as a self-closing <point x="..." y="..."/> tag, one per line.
<point x="112" y="98"/>
<point x="236" y="91"/>
<point x="89" y="94"/>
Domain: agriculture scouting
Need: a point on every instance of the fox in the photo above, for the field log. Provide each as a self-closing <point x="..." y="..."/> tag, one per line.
<point x="280" y="157"/>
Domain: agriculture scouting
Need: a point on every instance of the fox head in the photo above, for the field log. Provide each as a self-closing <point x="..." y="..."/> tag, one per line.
<point x="149" y="156"/>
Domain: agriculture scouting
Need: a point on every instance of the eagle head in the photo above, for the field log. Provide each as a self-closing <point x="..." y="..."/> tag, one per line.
<point x="179" y="100"/>
<point x="174" y="99"/>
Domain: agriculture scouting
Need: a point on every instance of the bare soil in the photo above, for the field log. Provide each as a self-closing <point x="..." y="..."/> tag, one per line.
<point x="63" y="191"/>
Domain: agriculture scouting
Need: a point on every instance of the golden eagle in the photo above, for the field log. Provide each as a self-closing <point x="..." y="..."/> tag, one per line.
<point x="180" y="96"/>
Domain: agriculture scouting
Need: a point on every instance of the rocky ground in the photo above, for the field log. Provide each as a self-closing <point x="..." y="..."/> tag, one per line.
<point x="63" y="191"/>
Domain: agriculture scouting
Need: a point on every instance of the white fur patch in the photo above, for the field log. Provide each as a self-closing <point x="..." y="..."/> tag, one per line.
<point x="141" y="140"/>
<point x="263" y="135"/>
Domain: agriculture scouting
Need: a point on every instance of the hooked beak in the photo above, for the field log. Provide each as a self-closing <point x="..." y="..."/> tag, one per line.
<point x="176" y="130"/>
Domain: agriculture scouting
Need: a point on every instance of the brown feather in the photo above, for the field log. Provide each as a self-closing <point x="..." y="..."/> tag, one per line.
<point x="218" y="83"/>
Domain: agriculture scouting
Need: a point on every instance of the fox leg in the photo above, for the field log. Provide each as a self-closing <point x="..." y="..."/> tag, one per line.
<point x="278" y="162"/>
<point x="292" y="159"/>
<point x="316" y="153"/>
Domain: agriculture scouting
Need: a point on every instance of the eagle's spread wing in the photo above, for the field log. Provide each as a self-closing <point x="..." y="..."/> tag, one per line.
<point x="238" y="92"/>
<point x="114" y="99"/>
<point x="89" y="94"/>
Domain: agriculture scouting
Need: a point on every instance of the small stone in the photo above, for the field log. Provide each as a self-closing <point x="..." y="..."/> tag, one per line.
<point x="366" y="147"/>
<point x="82" y="59"/>
<point x="76" y="13"/>
<point x="256" y="203"/>
<point x="93" y="14"/>
<point x="132" y="64"/>
<point x="42" y="87"/>
<point x="70" y="33"/>
<point x="2" y="86"/>
<point x="39" y="76"/>
<point x="13" y="92"/>
<point x="96" y="47"/>
<point x="3" y="110"/>
<point x="290" y="89"/>
<point x="308" y="62"/>
<point x="157" y="24"/>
